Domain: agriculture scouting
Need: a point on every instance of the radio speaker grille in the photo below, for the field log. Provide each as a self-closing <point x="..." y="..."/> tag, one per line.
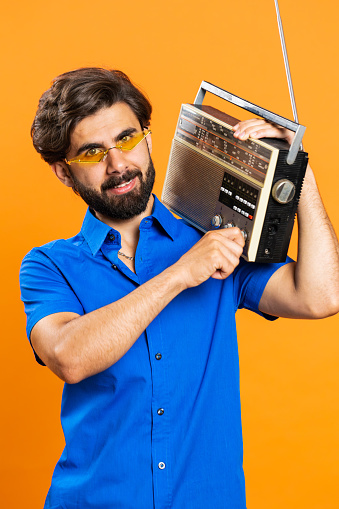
<point x="189" y="190"/>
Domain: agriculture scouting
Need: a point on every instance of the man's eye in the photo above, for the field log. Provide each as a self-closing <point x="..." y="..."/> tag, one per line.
<point x="93" y="152"/>
<point x="126" y="139"/>
<point x="127" y="142"/>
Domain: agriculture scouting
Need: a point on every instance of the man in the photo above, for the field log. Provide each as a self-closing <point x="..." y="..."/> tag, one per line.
<point x="136" y="312"/>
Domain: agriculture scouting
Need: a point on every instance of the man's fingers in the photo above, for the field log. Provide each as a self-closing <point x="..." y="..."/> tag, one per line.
<point x="250" y="122"/>
<point x="215" y="255"/>
<point x="227" y="247"/>
<point x="259" y="128"/>
<point x="247" y="126"/>
<point x="232" y="234"/>
<point x="229" y="260"/>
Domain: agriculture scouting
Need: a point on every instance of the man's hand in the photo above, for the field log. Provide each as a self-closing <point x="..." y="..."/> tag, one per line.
<point x="215" y="255"/>
<point x="258" y="128"/>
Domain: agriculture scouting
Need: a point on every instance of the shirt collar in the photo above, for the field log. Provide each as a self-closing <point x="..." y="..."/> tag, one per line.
<point x="165" y="218"/>
<point x="95" y="231"/>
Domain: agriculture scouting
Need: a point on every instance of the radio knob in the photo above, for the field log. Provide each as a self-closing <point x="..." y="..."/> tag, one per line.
<point x="244" y="233"/>
<point x="216" y="221"/>
<point x="229" y="224"/>
<point x="283" y="191"/>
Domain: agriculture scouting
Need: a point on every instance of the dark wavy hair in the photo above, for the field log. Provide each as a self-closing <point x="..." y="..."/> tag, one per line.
<point x="74" y="96"/>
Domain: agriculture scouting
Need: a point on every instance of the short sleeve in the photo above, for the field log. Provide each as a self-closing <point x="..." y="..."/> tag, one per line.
<point x="44" y="290"/>
<point x="250" y="280"/>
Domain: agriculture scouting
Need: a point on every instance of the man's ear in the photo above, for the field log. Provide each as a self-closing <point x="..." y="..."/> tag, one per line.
<point x="61" y="170"/>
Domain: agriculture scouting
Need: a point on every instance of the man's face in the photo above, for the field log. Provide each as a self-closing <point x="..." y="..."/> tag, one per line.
<point x="120" y="186"/>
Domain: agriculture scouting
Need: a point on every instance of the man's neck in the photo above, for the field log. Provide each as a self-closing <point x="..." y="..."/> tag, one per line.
<point x="128" y="228"/>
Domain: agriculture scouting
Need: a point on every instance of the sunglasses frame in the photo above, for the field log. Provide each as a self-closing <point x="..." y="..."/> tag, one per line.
<point x="145" y="133"/>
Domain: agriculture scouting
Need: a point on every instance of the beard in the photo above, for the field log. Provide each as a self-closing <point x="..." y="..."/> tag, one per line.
<point x="125" y="206"/>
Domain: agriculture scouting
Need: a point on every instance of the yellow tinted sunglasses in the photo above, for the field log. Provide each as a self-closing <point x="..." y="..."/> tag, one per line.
<point x="96" y="155"/>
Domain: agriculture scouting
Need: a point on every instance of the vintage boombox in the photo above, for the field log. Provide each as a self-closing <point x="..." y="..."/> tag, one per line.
<point x="214" y="180"/>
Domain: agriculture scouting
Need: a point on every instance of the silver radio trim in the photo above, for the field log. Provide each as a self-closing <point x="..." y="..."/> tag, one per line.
<point x="257" y="110"/>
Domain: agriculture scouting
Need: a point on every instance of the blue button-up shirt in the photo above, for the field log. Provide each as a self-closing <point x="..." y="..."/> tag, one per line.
<point x="161" y="428"/>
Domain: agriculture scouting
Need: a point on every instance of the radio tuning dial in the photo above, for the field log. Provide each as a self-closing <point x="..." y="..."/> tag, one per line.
<point x="216" y="221"/>
<point x="244" y="233"/>
<point x="229" y="224"/>
<point x="283" y="191"/>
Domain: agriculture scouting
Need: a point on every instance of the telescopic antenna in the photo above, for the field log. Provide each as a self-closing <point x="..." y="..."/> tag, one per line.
<point x="287" y="67"/>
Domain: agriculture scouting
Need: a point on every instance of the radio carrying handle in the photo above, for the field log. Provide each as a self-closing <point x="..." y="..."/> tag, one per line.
<point x="257" y="110"/>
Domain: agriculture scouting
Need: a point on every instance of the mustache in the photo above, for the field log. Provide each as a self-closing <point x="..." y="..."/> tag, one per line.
<point x="115" y="180"/>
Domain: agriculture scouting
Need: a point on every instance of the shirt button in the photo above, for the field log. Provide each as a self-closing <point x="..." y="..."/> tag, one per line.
<point x="114" y="267"/>
<point x="158" y="356"/>
<point x="160" y="411"/>
<point x="161" y="465"/>
<point x="111" y="236"/>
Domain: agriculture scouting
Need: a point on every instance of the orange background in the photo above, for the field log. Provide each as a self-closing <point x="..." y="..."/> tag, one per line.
<point x="289" y="369"/>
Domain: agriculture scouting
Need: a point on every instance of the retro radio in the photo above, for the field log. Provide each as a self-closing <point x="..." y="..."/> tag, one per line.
<point x="214" y="180"/>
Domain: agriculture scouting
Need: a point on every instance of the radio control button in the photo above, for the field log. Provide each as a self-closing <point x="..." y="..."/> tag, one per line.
<point x="216" y="221"/>
<point x="229" y="224"/>
<point x="244" y="233"/>
<point x="283" y="191"/>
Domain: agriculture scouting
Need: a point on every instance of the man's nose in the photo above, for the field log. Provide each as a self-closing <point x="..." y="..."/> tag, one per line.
<point x="116" y="161"/>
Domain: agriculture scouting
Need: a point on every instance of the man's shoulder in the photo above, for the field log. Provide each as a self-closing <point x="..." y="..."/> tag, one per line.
<point x="57" y="248"/>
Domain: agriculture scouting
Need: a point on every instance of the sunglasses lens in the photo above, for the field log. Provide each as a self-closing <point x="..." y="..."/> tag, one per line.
<point x="94" y="155"/>
<point x="131" y="141"/>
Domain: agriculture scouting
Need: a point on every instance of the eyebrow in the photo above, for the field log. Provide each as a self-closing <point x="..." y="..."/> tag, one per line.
<point x="89" y="146"/>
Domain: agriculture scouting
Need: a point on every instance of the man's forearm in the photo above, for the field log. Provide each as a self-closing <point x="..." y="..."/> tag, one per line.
<point x="91" y="343"/>
<point x="75" y="347"/>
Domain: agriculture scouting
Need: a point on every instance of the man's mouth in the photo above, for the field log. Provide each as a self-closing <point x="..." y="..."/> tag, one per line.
<point x="125" y="187"/>
<point x="123" y="184"/>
